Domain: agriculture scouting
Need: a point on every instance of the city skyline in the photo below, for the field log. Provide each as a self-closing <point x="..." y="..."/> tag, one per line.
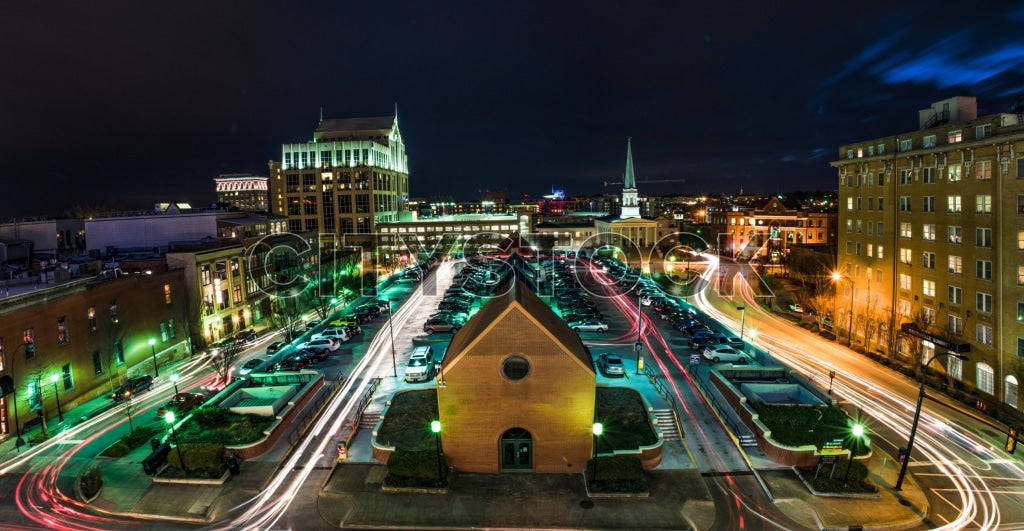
<point x="128" y="106"/>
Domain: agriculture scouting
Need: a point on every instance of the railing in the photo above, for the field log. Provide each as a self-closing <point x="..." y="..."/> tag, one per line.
<point x="310" y="414"/>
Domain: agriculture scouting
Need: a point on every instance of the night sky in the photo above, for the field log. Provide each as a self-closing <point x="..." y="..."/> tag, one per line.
<point x="121" y="104"/>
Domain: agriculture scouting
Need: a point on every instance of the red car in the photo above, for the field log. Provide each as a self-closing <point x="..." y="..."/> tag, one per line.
<point x="182" y="403"/>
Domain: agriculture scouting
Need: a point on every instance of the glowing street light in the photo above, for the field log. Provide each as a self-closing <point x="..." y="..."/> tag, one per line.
<point x="857" y="432"/>
<point x="169" y="418"/>
<point x="174" y="380"/>
<point x="598" y="430"/>
<point x="435" y="426"/>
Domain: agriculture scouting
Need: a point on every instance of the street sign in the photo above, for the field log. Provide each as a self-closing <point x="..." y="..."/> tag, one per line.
<point x="638" y="346"/>
<point x="833" y="447"/>
<point x="827" y="459"/>
<point x="694" y="359"/>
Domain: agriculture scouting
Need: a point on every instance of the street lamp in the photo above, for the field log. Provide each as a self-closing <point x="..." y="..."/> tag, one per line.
<point x="128" y="409"/>
<point x="435" y="426"/>
<point x="917" y="416"/>
<point x="174" y="380"/>
<point x="598" y="430"/>
<point x="152" y="348"/>
<point x="743" y="318"/>
<point x="169" y="418"/>
<point x="56" y="394"/>
<point x="858" y="431"/>
<point x="837" y="276"/>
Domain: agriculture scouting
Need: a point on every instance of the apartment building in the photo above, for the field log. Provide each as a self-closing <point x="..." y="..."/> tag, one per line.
<point x="931" y="244"/>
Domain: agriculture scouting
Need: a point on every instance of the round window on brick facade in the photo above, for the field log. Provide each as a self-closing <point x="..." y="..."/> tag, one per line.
<point x="515" y="368"/>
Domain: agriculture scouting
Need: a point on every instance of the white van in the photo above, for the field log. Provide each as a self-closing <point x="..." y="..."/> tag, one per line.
<point x="421" y="365"/>
<point x="339" y="333"/>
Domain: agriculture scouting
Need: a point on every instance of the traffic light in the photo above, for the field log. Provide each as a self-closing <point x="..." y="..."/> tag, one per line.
<point x="1011" y="440"/>
<point x="902" y="454"/>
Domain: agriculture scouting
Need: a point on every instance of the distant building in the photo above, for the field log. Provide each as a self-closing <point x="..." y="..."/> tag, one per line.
<point x="217" y="284"/>
<point x="149" y="231"/>
<point x="931" y="231"/>
<point x="245" y="192"/>
<point x="769" y="231"/>
<point x="52" y="237"/>
<point x="627" y="230"/>
<point x="353" y="176"/>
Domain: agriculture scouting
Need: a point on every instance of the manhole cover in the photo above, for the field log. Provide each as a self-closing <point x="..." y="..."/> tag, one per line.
<point x="587" y="504"/>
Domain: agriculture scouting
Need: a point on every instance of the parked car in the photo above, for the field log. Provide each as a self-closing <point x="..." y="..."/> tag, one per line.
<point x="611" y="365"/>
<point x="294" y="363"/>
<point x="701" y="341"/>
<point x="442" y="325"/>
<point x="720" y="353"/>
<point x="796" y="308"/>
<point x="182" y="403"/>
<point x="275" y="346"/>
<point x="421" y="365"/>
<point x="329" y="344"/>
<point x="134" y="386"/>
<point x="338" y="333"/>
<point x="735" y="343"/>
<point x="250" y="365"/>
<point x="314" y="356"/>
<point x="589" y="325"/>
<point x="246" y="337"/>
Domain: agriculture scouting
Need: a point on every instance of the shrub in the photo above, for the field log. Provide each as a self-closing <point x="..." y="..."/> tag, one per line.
<point x="420" y="464"/>
<point x="118" y="449"/>
<point x="140" y="436"/>
<point x="39" y="437"/>
<point x="219" y="426"/>
<point x="823" y="483"/>
<point x="90" y="482"/>
<point x="617" y="473"/>
<point x="202" y="460"/>
<point x="799" y="426"/>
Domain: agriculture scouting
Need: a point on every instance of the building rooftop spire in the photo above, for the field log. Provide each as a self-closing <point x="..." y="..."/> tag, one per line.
<point x="629" y="180"/>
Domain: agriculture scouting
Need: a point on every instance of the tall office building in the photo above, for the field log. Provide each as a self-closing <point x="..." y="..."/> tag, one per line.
<point x="931" y="245"/>
<point x="353" y="175"/>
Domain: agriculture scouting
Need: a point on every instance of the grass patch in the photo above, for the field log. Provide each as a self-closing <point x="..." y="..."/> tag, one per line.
<point x="617" y="473"/>
<point x="626" y="425"/>
<point x="804" y="425"/>
<point x="220" y="426"/>
<point x="407" y="423"/>
<point x="131" y="441"/>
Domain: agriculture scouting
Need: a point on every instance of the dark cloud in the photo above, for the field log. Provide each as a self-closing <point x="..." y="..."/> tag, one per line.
<point x="133" y="102"/>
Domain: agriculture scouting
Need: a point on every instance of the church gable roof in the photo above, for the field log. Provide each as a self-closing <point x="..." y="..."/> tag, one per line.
<point x="522" y="301"/>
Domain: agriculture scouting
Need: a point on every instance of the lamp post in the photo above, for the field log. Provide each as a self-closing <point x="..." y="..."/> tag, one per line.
<point x="598" y="430"/>
<point x="435" y="426"/>
<point x="169" y="418"/>
<point x="152" y="348"/>
<point x="837" y="276"/>
<point x="917" y="417"/>
<point x="128" y="410"/>
<point x="56" y="394"/>
<point x="391" y="330"/>
<point x="743" y="318"/>
<point x="858" y="431"/>
<point x="174" y="380"/>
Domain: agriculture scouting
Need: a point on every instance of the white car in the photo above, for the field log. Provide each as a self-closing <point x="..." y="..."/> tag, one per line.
<point x="589" y="325"/>
<point x="723" y="353"/>
<point x="329" y="343"/>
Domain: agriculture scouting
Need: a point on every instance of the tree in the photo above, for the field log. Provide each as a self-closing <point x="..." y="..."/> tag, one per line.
<point x="223" y="359"/>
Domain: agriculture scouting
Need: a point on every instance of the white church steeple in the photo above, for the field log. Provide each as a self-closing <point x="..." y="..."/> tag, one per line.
<point x="630" y="205"/>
